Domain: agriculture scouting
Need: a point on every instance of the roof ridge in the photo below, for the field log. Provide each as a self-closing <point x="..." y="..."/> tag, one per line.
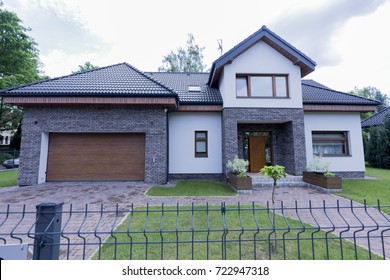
<point x="350" y="94"/>
<point x="151" y="79"/>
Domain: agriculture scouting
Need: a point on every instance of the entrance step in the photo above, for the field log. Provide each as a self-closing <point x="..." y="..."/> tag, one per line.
<point x="289" y="181"/>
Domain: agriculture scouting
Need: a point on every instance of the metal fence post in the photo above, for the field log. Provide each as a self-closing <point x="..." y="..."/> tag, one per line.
<point x="47" y="231"/>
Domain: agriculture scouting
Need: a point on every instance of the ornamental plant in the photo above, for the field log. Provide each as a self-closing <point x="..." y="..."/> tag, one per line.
<point x="275" y="172"/>
<point x="238" y="166"/>
<point x="317" y="165"/>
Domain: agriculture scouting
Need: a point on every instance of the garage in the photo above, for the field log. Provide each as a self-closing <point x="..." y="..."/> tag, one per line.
<point x="96" y="157"/>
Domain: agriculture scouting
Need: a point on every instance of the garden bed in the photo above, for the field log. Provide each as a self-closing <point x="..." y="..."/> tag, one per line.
<point x="319" y="179"/>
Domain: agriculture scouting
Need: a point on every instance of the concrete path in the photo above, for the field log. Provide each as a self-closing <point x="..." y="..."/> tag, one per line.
<point x="92" y="196"/>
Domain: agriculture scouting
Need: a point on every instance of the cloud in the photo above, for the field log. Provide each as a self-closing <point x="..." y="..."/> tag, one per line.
<point x="312" y="30"/>
<point x="56" y="24"/>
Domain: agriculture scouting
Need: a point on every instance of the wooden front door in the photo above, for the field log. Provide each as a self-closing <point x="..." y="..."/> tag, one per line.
<point x="257" y="159"/>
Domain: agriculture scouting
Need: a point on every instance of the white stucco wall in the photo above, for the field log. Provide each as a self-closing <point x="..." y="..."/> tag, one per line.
<point x="43" y="158"/>
<point x="337" y="122"/>
<point x="261" y="59"/>
<point x="182" y="127"/>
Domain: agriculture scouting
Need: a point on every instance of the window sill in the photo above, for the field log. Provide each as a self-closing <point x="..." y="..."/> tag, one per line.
<point x="344" y="156"/>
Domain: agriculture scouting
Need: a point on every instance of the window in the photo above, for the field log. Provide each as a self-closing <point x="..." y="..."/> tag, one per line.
<point x="268" y="86"/>
<point x="330" y="143"/>
<point x="201" y="144"/>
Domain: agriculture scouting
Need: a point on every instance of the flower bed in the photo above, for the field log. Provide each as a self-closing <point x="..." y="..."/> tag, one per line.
<point x="319" y="179"/>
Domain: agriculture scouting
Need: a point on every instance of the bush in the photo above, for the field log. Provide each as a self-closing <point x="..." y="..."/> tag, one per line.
<point x="4" y="156"/>
<point x="238" y="166"/>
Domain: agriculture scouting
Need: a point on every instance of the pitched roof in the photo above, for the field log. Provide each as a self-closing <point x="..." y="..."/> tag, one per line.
<point x="377" y="119"/>
<point x="279" y="44"/>
<point x="115" y="81"/>
<point x="316" y="93"/>
<point x="180" y="83"/>
<point x="123" y="80"/>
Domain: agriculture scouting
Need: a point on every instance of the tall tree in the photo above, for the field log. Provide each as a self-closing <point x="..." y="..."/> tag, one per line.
<point x="372" y="93"/>
<point x="184" y="60"/>
<point x="19" y="63"/>
<point x="86" y="67"/>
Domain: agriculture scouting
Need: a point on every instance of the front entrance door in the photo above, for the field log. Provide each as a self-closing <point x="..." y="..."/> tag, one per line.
<point x="257" y="157"/>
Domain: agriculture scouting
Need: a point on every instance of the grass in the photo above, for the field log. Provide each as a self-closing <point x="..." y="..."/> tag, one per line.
<point x="193" y="188"/>
<point x="8" y="178"/>
<point x="371" y="190"/>
<point x="168" y="233"/>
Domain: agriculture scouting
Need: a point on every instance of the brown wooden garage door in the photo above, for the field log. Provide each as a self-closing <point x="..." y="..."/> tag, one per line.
<point x="96" y="156"/>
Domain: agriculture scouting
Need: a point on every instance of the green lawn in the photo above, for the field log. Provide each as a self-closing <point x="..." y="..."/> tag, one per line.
<point x="203" y="232"/>
<point x="193" y="188"/>
<point x="8" y="178"/>
<point x="371" y="190"/>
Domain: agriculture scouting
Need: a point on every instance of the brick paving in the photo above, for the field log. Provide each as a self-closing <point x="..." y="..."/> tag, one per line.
<point x="91" y="196"/>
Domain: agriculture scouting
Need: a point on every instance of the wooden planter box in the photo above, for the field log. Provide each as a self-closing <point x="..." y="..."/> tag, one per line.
<point x="321" y="180"/>
<point x="240" y="183"/>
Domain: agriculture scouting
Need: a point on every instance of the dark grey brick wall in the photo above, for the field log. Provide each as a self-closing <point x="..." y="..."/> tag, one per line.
<point x="92" y="118"/>
<point x="351" y="174"/>
<point x="286" y="126"/>
<point x="197" y="176"/>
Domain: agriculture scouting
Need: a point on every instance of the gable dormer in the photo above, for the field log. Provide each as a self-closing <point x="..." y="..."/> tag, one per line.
<point x="262" y="71"/>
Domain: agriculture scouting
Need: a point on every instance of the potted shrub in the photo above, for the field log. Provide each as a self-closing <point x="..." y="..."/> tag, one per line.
<point x="317" y="174"/>
<point x="238" y="174"/>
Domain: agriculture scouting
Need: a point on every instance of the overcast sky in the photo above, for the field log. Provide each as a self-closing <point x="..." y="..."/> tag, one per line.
<point x="348" y="39"/>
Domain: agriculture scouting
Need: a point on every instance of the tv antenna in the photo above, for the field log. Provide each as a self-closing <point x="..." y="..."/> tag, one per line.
<point x="220" y="48"/>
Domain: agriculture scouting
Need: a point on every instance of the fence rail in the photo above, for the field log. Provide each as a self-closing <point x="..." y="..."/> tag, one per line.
<point x="57" y="231"/>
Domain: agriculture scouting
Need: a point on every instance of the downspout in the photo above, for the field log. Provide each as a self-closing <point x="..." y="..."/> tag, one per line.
<point x="167" y="131"/>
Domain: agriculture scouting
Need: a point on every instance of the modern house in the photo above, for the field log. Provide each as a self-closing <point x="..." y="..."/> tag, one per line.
<point x="118" y="123"/>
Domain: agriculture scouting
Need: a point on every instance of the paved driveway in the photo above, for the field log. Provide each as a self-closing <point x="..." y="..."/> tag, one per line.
<point x="127" y="193"/>
<point x="83" y="196"/>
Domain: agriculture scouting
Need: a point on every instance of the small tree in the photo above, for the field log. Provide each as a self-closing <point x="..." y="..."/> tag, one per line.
<point x="275" y="172"/>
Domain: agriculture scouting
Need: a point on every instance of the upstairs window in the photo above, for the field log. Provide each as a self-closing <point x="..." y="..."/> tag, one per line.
<point x="330" y="143"/>
<point x="201" y="144"/>
<point x="265" y="86"/>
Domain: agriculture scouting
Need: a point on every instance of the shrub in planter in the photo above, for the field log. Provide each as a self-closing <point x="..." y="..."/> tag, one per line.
<point x="238" y="174"/>
<point x="317" y="174"/>
<point x="238" y="166"/>
<point x="322" y="180"/>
